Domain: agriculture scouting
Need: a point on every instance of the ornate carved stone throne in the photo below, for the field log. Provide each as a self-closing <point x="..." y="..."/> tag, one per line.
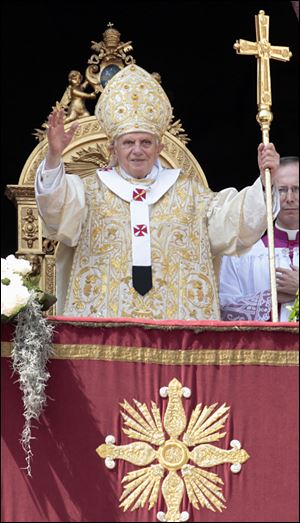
<point x="87" y="151"/>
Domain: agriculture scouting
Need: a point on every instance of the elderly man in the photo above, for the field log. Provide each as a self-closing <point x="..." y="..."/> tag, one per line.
<point x="245" y="281"/>
<point x="139" y="240"/>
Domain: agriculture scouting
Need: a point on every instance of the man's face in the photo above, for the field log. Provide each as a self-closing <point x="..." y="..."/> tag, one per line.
<point x="287" y="183"/>
<point x="136" y="153"/>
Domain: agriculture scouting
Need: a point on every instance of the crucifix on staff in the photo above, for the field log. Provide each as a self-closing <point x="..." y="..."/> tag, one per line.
<point x="264" y="51"/>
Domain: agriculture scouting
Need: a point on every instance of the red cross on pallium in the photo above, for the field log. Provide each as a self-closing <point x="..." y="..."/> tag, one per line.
<point x="139" y="195"/>
<point x="140" y="230"/>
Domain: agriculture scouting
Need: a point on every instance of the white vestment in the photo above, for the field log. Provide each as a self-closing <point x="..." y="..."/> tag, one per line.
<point x="190" y="228"/>
<point x="245" y="290"/>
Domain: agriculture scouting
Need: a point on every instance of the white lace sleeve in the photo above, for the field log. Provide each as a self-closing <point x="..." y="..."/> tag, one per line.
<point x="244" y="286"/>
<point x="256" y="307"/>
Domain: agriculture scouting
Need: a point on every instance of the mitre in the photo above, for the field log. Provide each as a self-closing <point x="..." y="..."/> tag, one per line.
<point x="133" y="101"/>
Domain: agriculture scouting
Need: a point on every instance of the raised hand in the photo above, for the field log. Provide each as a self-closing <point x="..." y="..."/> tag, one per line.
<point x="58" y="138"/>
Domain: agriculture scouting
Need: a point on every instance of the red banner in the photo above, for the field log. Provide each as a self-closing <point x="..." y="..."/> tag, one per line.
<point x="99" y="365"/>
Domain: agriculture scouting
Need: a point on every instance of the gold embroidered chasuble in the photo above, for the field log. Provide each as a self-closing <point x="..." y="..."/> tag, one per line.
<point x="190" y="226"/>
<point x="183" y="278"/>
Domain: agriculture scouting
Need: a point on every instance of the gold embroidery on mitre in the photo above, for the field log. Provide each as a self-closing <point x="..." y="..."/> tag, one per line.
<point x="133" y="101"/>
<point x="173" y="474"/>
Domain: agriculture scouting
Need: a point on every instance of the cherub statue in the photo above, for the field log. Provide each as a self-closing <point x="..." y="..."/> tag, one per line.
<point x="74" y="96"/>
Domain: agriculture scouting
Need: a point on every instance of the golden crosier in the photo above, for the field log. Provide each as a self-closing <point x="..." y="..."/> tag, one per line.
<point x="264" y="52"/>
<point x="173" y="455"/>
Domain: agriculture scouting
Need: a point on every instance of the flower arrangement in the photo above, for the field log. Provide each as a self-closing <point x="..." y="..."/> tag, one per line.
<point x="23" y="302"/>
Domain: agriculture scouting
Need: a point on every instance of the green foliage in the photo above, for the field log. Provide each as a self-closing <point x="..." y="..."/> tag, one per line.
<point x="294" y="314"/>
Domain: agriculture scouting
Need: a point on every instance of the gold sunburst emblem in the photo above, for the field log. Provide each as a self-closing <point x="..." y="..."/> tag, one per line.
<point x="172" y="472"/>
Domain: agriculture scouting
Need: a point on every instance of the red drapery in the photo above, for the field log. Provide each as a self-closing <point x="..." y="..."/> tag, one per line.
<point x="252" y="367"/>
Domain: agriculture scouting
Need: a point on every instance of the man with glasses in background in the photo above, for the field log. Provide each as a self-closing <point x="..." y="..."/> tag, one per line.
<point x="245" y="292"/>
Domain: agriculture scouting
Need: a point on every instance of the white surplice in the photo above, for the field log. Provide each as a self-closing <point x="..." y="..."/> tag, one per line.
<point x="245" y="281"/>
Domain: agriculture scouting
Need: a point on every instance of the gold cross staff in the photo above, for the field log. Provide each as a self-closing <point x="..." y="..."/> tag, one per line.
<point x="264" y="51"/>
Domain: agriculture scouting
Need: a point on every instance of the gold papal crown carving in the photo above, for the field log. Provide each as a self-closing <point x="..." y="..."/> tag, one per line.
<point x="173" y="458"/>
<point x="109" y="57"/>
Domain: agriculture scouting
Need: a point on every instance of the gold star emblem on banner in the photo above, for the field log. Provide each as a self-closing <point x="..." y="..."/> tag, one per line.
<point x="173" y="473"/>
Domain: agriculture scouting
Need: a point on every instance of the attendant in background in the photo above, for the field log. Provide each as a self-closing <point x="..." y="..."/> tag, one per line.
<point x="245" y="280"/>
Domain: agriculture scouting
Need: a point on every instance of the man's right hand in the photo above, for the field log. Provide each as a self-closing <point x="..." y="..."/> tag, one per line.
<point x="58" y="138"/>
<point x="267" y="158"/>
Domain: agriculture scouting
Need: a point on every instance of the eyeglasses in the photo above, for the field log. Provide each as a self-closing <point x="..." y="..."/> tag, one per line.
<point x="283" y="191"/>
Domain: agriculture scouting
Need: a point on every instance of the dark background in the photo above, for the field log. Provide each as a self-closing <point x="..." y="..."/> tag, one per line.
<point x="190" y="43"/>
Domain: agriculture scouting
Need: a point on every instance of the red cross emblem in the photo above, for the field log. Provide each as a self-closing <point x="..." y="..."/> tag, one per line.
<point x="139" y="195"/>
<point x="140" y="230"/>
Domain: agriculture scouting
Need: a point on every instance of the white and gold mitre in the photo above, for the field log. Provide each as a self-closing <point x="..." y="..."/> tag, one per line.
<point x="133" y="101"/>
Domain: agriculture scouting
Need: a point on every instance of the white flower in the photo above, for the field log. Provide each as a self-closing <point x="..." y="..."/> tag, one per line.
<point x="13" y="296"/>
<point x="17" y="286"/>
<point x="18" y="265"/>
<point x="16" y="280"/>
<point x="6" y="271"/>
